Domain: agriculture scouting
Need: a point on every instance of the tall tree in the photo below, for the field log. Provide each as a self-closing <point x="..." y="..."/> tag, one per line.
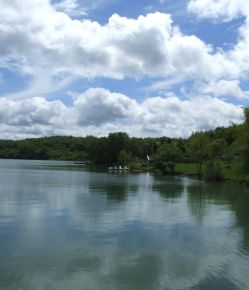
<point x="198" y="145"/>
<point x="166" y="157"/>
<point x="246" y="142"/>
<point x="117" y="142"/>
<point x="216" y="148"/>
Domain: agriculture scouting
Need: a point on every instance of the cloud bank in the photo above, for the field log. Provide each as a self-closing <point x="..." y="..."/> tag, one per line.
<point x="98" y="111"/>
<point x="34" y="34"/>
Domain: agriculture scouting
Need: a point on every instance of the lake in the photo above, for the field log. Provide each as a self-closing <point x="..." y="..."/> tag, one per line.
<point x="63" y="226"/>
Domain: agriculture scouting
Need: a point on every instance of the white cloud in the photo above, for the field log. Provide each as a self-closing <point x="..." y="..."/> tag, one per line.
<point x="181" y="117"/>
<point x="226" y="10"/>
<point x="99" y="111"/>
<point x="35" y="35"/>
<point x="99" y="106"/>
<point x="192" y="58"/>
<point x="240" y="53"/>
<point x="42" y="84"/>
<point x="166" y="84"/>
<point x="219" y="9"/>
<point x="33" y="117"/>
<point x="224" y="88"/>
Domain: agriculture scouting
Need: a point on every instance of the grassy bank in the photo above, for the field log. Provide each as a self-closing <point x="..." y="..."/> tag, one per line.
<point x="230" y="171"/>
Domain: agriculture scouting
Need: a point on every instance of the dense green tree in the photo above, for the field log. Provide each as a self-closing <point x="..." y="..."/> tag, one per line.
<point x="27" y="150"/>
<point x="214" y="170"/>
<point x="136" y="147"/>
<point x="198" y="147"/>
<point x="246" y="140"/>
<point x="117" y="142"/>
<point x="216" y="148"/>
<point x="166" y="157"/>
<point x="124" y="157"/>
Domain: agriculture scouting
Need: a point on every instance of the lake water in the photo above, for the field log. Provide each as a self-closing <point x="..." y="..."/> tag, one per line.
<point x="64" y="227"/>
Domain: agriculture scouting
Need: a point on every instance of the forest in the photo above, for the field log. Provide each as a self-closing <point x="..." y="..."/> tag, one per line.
<point x="214" y="153"/>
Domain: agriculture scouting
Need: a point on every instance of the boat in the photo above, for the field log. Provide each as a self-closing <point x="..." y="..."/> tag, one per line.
<point x="118" y="168"/>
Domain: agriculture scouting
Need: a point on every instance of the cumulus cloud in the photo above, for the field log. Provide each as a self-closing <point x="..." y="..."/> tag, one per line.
<point x="33" y="117"/>
<point x="182" y="117"/>
<point x="224" y="88"/>
<point x="34" y="33"/>
<point x="98" y="111"/>
<point x="100" y="106"/>
<point x="226" y="10"/>
<point x="240" y="52"/>
<point x="37" y="34"/>
<point x="217" y="9"/>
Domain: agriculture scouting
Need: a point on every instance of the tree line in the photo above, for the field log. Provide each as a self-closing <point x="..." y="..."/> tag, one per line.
<point x="100" y="150"/>
<point x="210" y="147"/>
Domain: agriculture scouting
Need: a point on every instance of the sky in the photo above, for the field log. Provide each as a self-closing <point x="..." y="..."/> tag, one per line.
<point x="148" y="68"/>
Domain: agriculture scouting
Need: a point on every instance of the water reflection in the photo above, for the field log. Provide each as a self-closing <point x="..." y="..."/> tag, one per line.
<point x="229" y="196"/>
<point x="74" y="229"/>
<point x="140" y="271"/>
<point x="197" y="201"/>
<point x="169" y="188"/>
<point x="114" y="186"/>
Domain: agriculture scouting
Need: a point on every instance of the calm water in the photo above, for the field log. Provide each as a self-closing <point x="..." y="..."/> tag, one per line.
<point x="63" y="227"/>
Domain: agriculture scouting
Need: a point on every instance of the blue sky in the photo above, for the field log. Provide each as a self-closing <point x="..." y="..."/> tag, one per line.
<point x="150" y="68"/>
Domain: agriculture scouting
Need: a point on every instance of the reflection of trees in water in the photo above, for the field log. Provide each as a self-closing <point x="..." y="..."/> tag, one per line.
<point x="116" y="187"/>
<point x="168" y="188"/>
<point x="119" y="189"/>
<point x="240" y="205"/>
<point x="234" y="196"/>
<point x="116" y="191"/>
<point x="197" y="201"/>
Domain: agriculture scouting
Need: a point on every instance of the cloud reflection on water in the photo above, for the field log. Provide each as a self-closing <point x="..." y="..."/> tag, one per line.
<point x="63" y="229"/>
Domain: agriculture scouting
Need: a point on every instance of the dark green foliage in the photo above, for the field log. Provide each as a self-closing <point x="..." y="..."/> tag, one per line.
<point x="115" y="148"/>
<point x="124" y="157"/>
<point x="214" y="170"/>
<point x="166" y="158"/>
<point x="57" y="148"/>
<point x="246" y="141"/>
<point x="117" y="142"/>
<point x="217" y="148"/>
<point x="198" y="148"/>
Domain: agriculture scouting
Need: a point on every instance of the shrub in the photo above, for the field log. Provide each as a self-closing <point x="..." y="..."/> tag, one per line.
<point x="214" y="170"/>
